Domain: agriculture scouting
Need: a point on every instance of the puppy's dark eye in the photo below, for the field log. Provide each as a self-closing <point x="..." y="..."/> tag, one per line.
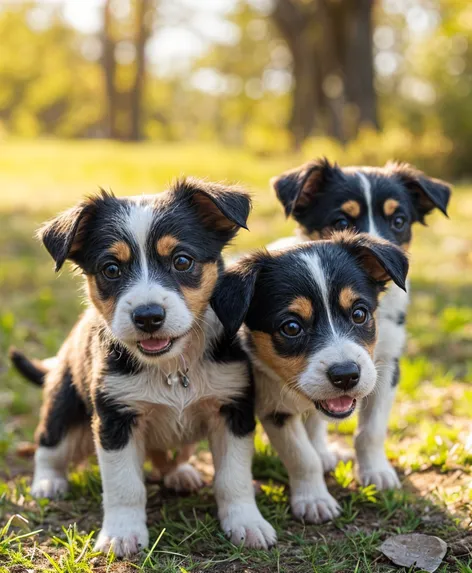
<point x="398" y="222"/>
<point x="341" y="224"/>
<point x="112" y="271"/>
<point x="182" y="263"/>
<point x="359" y="315"/>
<point x="291" y="329"/>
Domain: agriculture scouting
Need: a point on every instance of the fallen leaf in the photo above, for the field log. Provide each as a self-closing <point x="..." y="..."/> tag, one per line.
<point x="415" y="549"/>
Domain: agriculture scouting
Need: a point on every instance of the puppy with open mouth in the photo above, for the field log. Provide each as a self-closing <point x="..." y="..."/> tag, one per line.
<point x="385" y="202"/>
<point x="310" y="329"/>
<point x="149" y="366"/>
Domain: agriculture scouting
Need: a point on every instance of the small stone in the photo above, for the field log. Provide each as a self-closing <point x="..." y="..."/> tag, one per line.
<point x="425" y="552"/>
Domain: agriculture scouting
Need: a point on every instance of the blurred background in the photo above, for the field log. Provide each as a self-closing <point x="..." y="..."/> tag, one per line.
<point x="362" y="79"/>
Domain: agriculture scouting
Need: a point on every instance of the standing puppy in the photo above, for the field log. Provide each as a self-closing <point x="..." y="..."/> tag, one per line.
<point x="148" y="367"/>
<point x="384" y="202"/>
<point x="310" y="329"/>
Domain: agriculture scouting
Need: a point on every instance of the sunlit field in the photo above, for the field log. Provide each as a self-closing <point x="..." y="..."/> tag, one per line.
<point x="430" y="441"/>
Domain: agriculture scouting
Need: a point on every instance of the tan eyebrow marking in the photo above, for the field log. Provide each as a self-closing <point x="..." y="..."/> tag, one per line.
<point x="302" y="306"/>
<point x="351" y="208"/>
<point x="347" y="297"/>
<point x="165" y="245"/>
<point x="390" y="206"/>
<point x="121" y="251"/>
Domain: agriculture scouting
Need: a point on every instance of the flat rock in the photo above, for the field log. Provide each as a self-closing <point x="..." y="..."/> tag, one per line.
<point x="415" y="549"/>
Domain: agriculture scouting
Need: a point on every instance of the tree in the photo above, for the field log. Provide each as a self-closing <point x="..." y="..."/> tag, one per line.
<point x="331" y="47"/>
<point x="124" y="80"/>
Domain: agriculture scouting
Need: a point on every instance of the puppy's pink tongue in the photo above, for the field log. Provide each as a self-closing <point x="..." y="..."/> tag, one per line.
<point x="154" y="344"/>
<point x="339" y="405"/>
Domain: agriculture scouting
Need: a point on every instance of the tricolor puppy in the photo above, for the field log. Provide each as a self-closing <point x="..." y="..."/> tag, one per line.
<point x="149" y="367"/>
<point x="384" y="202"/>
<point x="310" y="329"/>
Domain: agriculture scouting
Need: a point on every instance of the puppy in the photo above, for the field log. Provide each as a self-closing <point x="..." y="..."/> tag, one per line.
<point x="310" y="329"/>
<point x="149" y="367"/>
<point x="384" y="202"/>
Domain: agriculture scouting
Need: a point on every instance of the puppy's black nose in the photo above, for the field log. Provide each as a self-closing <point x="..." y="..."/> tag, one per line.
<point x="149" y="317"/>
<point x="344" y="375"/>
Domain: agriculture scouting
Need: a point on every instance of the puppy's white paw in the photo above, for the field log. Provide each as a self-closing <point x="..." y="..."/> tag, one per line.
<point x="51" y="487"/>
<point x="185" y="478"/>
<point x="313" y="508"/>
<point x="382" y="475"/>
<point x="243" y="523"/>
<point x="123" y="540"/>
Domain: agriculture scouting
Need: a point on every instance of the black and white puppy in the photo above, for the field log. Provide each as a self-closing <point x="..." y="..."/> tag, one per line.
<point x="310" y="329"/>
<point x="148" y="367"/>
<point x="384" y="202"/>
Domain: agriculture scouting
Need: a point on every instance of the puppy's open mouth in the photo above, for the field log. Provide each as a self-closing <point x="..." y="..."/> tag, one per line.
<point x="339" y="408"/>
<point x="155" y="346"/>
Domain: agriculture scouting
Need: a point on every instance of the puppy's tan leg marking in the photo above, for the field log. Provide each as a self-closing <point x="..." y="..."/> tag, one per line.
<point x="310" y="500"/>
<point x="239" y="515"/>
<point x="183" y="477"/>
<point x="51" y="464"/>
<point x="317" y="430"/>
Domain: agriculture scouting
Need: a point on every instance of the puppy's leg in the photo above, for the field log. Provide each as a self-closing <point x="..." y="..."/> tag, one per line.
<point x="239" y="515"/>
<point x="51" y="462"/>
<point x="310" y="500"/>
<point x="63" y="436"/>
<point x="374" y="467"/>
<point x="317" y="430"/>
<point x="120" y="449"/>
<point x="183" y="477"/>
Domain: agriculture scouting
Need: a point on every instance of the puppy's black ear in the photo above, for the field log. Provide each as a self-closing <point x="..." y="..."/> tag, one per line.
<point x="64" y="236"/>
<point x="425" y="192"/>
<point x="296" y="188"/>
<point x="383" y="261"/>
<point x="234" y="291"/>
<point x="223" y="209"/>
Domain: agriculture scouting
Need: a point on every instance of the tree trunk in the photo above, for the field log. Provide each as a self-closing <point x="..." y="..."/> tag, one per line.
<point x="142" y="32"/>
<point x="109" y="69"/>
<point x="331" y="47"/>
<point x="300" y="34"/>
<point x="359" y="61"/>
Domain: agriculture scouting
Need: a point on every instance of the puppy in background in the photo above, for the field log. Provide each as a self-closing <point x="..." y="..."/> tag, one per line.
<point x="149" y="367"/>
<point x="384" y="202"/>
<point x="310" y="329"/>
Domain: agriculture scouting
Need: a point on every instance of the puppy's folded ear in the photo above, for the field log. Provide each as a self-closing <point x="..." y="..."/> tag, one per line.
<point x="426" y="193"/>
<point x="234" y="291"/>
<point x="296" y="188"/>
<point x="64" y="236"/>
<point x="383" y="261"/>
<point x="222" y="209"/>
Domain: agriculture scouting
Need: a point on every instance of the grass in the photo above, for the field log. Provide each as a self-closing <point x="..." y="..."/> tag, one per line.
<point x="430" y="441"/>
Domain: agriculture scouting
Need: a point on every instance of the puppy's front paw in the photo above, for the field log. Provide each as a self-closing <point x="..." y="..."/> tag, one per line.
<point x="51" y="487"/>
<point x="185" y="478"/>
<point x="243" y="523"/>
<point x="124" y="541"/>
<point x="382" y="475"/>
<point x="313" y="508"/>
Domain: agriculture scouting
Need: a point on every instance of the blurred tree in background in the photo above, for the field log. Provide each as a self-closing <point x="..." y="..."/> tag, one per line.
<point x="365" y="79"/>
<point x="332" y="65"/>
